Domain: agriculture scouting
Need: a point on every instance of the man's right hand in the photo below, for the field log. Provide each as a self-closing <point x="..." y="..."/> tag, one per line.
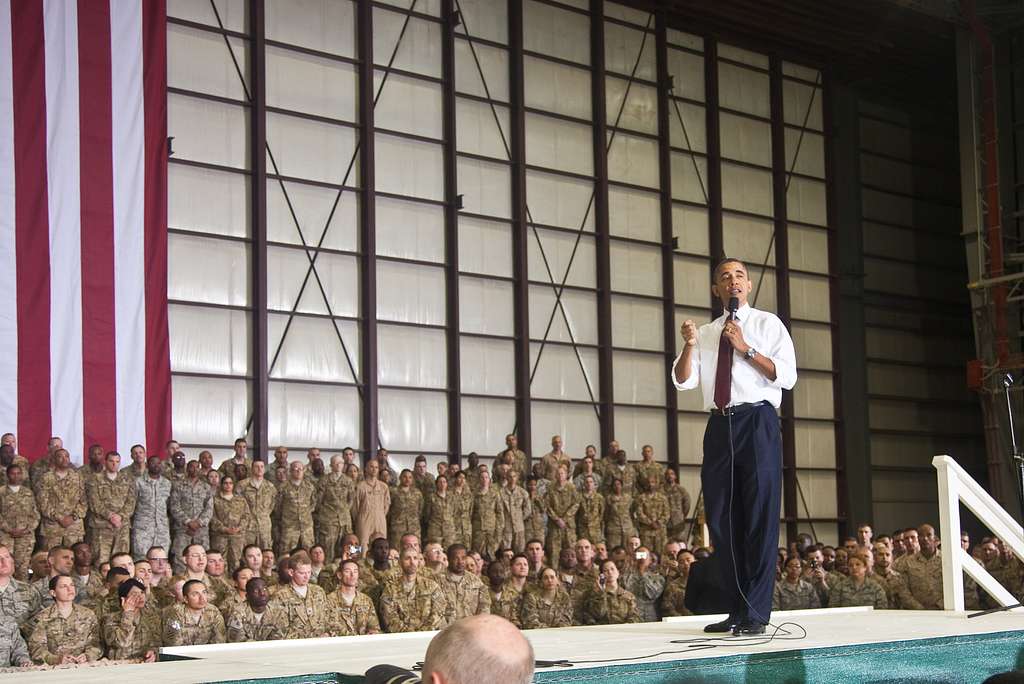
<point x="689" y="332"/>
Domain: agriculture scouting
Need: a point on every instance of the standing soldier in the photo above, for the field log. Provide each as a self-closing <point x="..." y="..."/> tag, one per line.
<point x="440" y="526"/>
<point x="411" y="601"/>
<point x="295" y="510"/>
<point x="174" y="468"/>
<point x="373" y="499"/>
<point x="150" y="524"/>
<point x="261" y="495"/>
<point x="111" y="504"/>
<point x="517" y="458"/>
<point x="240" y="457"/>
<point x="590" y="516"/>
<point x="229" y="522"/>
<point x="473" y="472"/>
<point x="650" y="510"/>
<point x="618" y="516"/>
<point x="678" y="505"/>
<point x="537" y="521"/>
<point x="46" y="463"/>
<point x="488" y="520"/>
<point x="9" y="458"/>
<point x="424" y="481"/>
<point x="406" y="509"/>
<point x="515" y="511"/>
<point x="19" y="518"/>
<point x="620" y="468"/>
<point x="335" y="492"/>
<point x="647" y="467"/>
<point x="191" y="506"/>
<point x="553" y="458"/>
<point x="561" y="503"/>
<point x="137" y="467"/>
<point x="462" y="513"/>
<point x="60" y="494"/>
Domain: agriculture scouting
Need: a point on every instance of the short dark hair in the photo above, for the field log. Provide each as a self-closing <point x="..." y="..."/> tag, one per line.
<point x="114" y="572"/>
<point x="128" y="585"/>
<point x="722" y="262"/>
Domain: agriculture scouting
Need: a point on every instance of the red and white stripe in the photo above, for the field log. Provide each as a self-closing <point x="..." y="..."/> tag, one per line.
<point x="83" y="224"/>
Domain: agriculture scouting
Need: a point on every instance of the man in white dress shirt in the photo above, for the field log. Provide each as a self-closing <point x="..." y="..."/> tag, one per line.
<point x="742" y="362"/>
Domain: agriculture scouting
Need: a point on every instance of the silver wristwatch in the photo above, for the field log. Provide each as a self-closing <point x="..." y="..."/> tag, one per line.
<point x="750" y="354"/>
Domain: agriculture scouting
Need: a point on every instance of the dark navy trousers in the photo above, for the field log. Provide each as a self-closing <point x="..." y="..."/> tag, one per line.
<point x="746" y="544"/>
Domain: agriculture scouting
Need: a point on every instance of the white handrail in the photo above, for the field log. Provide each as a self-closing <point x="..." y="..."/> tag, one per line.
<point x="956" y="487"/>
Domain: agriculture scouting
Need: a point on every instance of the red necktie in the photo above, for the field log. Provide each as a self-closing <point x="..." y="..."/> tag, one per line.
<point x="723" y="374"/>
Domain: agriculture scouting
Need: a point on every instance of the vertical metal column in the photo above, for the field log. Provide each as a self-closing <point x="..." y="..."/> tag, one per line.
<point x="451" y="230"/>
<point x="606" y="397"/>
<point x="716" y="248"/>
<point x="667" y="251"/>
<point x="781" y="229"/>
<point x="367" y="230"/>
<point x="258" y="436"/>
<point x="521" y="288"/>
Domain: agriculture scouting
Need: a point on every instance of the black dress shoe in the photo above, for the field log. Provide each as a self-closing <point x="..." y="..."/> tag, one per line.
<point x="748" y="628"/>
<point x="727" y="625"/>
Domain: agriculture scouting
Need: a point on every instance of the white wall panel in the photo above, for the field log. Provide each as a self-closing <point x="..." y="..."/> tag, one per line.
<point x="623" y="46"/>
<point x="819" y="489"/>
<point x="579" y="307"/>
<point x="485" y="306"/>
<point x="233" y="13"/>
<point x="638" y="379"/>
<point x="815" y="444"/>
<point x="311" y="350"/>
<point x="747" y="189"/>
<point x="313" y="85"/>
<point x="689" y="177"/>
<point x="637" y="323"/>
<point x="690" y="225"/>
<point x="393" y="111"/>
<point x="313" y="415"/>
<point x="557" y="248"/>
<point x="576" y="423"/>
<point x="809" y="149"/>
<point x="485" y="422"/>
<point x="808" y="249"/>
<point x="743" y="89"/>
<point x="813" y="343"/>
<point x="559" y="201"/>
<point x="480" y="18"/>
<point x="485" y="188"/>
<point x="633" y="160"/>
<point x="731" y="52"/>
<point x="411" y="357"/>
<point x="688" y="72"/>
<point x="478" y="132"/>
<point x="409" y="167"/>
<point x="409" y="293"/>
<point x="493" y="62"/>
<point x="420" y="49"/>
<point x="208" y="131"/>
<point x="485" y="247"/>
<point x="310" y="149"/>
<point x="324" y="25"/>
<point x="199" y="60"/>
<point x="207" y="270"/>
<point x="809" y="297"/>
<point x="410" y="230"/>
<point x="208" y="201"/>
<point x="557" y="88"/>
<point x="812" y="396"/>
<point x="635" y="427"/>
<point x="558" y="144"/>
<point x="208" y="340"/>
<point x="640" y="112"/>
<point x="552" y="31"/>
<point x="487" y="367"/>
<point x="559" y="375"/>
<point x="801" y="102"/>
<point x="687" y="124"/>
<point x="806" y="201"/>
<point x="413" y="421"/>
<point x="209" y="410"/>
<point x="634" y="214"/>
<point x="635" y="268"/>
<point x="312" y="206"/>
<point x="744" y="139"/>
<point x="633" y="16"/>
<point x="286" y="269"/>
<point x="691" y="438"/>
<point x="747" y="238"/>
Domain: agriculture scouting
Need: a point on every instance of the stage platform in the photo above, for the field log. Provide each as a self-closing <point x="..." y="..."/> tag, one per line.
<point x="841" y="645"/>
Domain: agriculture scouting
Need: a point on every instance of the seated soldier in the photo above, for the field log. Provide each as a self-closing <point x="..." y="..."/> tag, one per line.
<point x="673" y="601"/>
<point x="352" y="611"/>
<point x="507" y="601"/>
<point x="13" y="649"/>
<point x="607" y="603"/>
<point x="256" y="619"/>
<point x="240" y="578"/>
<point x="793" y="592"/>
<point x="465" y="594"/>
<point x="135" y="630"/>
<point x="547" y="604"/>
<point x="858" y="589"/>
<point x="65" y="633"/>
<point x="411" y="601"/>
<point x="196" y="621"/>
<point x="645" y="584"/>
<point x="305" y="604"/>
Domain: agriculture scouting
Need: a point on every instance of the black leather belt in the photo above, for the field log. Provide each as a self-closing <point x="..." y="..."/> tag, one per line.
<point x="737" y="409"/>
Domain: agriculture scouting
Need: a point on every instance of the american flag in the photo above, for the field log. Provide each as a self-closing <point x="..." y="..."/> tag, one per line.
<point x="83" y="224"/>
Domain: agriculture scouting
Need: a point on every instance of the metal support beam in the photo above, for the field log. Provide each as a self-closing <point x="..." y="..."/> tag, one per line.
<point x="367" y="232"/>
<point x="451" y="230"/>
<point x="521" y="288"/>
<point x="606" y="398"/>
<point x="716" y="246"/>
<point x="667" y="252"/>
<point x="258" y="437"/>
<point x="781" y="232"/>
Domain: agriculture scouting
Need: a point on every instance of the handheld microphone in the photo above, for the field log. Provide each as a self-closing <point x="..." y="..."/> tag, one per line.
<point x="734" y="304"/>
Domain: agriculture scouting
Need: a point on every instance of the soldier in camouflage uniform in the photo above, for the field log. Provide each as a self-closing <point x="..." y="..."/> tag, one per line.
<point x="353" y="611"/>
<point x="151" y="522"/>
<point x="618" y="516"/>
<point x="111" y="498"/>
<point x="465" y="594"/>
<point x="261" y="495"/>
<point x="590" y="516"/>
<point x="424" y="482"/>
<point x="619" y="467"/>
<point x="88" y="581"/>
<point x="650" y="511"/>
<point x="404" y="516"/>
<point x="194" y="622"/>
<point x="673" y="600"/>
<point x="19" y="518"/>
<point x="609" y="604"/>
<point x="858" y="589"/>
<point x="240" y="457"/>
<point x="175" y="468"/>
<point x="793" y="593"/>
<point x="561" y="503"/>
<point x="256" y="619"/>
<point x="922" y="572"/>
<point x="334" y="497"/>
<point x="891" y="581"/>
<point x="18" y="600"/>
<point x="488" y="522"/>
<point x="295" y="510"/>
<point x="648" y="467"/>
<point x="462" y="510"/>
<point x="137" y="466"/>
<point x="13" y="649"/>
<point x="411" y="601"/>
<point x="135" y="630"/>
<point x="191" y="506"/>
<point x="229" y="522"/>
<point x="678" y="505"/>
<point x="548" y="605"/>
<point x="515" y="512"/>
<point x="515" y="457"/>
<point x="60" y="495"/>
<point x="305" y="605"/>
<point x="65" y="633"/>
<point x="9" y="458"/>
<point x="508" y="594"/>
<point x="440" y="514"/>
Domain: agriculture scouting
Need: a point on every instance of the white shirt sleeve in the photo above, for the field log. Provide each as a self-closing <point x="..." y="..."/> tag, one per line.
<point x="783" y="356"/>
<point x="694" y="379"/>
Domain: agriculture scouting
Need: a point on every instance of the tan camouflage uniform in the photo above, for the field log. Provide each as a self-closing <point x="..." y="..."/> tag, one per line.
<point x="561" y="502"/>
<point x="244" y="624"/>
<point x="590" y="517"/>
<point x="618" y="520"/>
<point x="308" y="617"/>
<point x="18" y="511"/>
<point x="55" y="636"/>
<point x="106" y="497"/>
<point x="131" y="635"/>
<point x="56" y="498"/>
<point x="228" y="513"/>
<point x="650" y="510"/>
<point x="404" y="516"/>
<point x="539" y="613"/>
<point x="465" y="595"/>
<point x="488" y="522"/>
<point x="261" y="502"/>
<point x="334" y="496"/>
<point x="295" y="508"/>
<point x="415" y="607"/>
<point x="183" y="628"/>
<point x="351" y="619"/>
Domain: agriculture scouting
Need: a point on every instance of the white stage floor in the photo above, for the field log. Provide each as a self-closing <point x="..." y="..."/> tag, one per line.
<point x="633" y="643"/>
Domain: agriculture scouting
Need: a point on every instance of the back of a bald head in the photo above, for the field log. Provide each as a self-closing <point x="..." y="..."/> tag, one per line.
<point x="479" y="647"/>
